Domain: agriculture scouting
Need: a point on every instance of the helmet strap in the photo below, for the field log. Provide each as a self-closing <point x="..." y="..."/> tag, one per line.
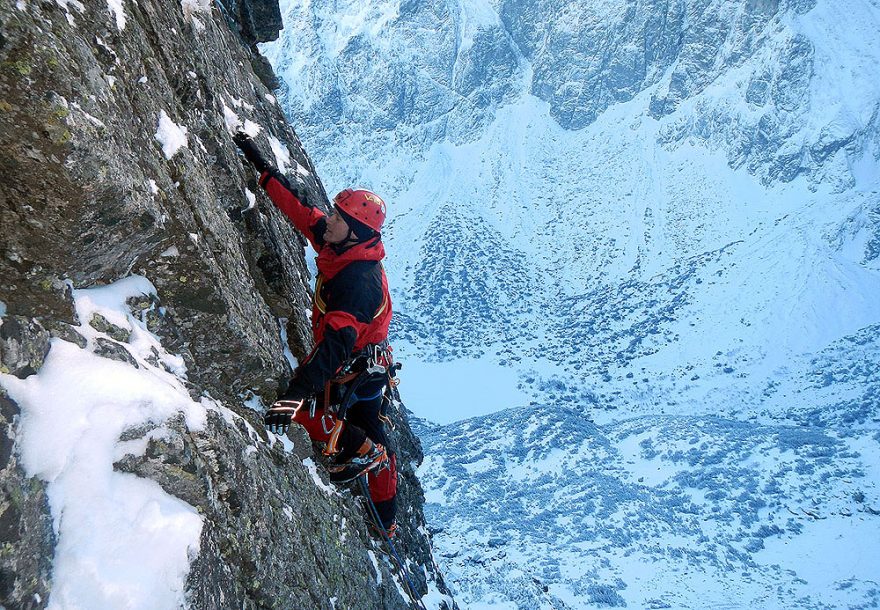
<point x="350" y="241"/>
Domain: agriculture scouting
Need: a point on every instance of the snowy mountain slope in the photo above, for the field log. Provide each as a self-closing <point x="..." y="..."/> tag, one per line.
<point x="664" y="217"/>
<point x="537" y="508"/>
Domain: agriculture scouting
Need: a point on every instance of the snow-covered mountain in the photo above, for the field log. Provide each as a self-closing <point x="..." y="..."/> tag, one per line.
<point x="664" y="218"/>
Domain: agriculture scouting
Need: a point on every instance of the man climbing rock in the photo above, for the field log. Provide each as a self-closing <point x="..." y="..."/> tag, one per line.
<point x="337" y="393"/>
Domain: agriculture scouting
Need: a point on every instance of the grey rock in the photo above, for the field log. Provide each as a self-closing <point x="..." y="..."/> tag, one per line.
<point x="716" y="37"/>
<point x="792" y="79"/>
<point x="435" y="75"/>
<point x="114" y="351"/>
<point x="446" y="86"/>
<point x="66" y="332"/>
<point x="800" y="6"/>
<point x="264" y="71"/>
<point x="257" y="20"/>
<point x="122" y="226"/>
<point x="169" y="461"/>
<point x="102" y="325"/>
<point x="758" y="91"/>
<point x="24" y="345"/>
<point x="27" y="541"/>
<point x="260" y="520"/>
<point x="584" y="59"/>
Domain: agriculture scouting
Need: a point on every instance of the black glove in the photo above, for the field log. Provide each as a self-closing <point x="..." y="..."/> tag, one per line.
<point x="277" y="419"/>
<point x="251" y="152"/>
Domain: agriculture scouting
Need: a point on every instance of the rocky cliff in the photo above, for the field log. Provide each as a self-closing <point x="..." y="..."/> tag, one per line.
<point x="116" y="161"/>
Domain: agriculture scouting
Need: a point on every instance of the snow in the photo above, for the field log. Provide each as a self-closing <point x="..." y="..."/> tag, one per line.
<point x="434" y="599"/>
<point x="475" y="16"/>
<point x="93" y="506"/>
<point x="251" y="128"/>
<point x="433" y="493"/>
<point x="239" y="103"/>
<point x="171" y="136"/>
<point x="79" y="6"/>
<point x="842" y="90"/>
<point x="251" y="199"/>
<point x="281" y="153"/>
<point x="235" y="124"/>
<point x="444" y="392"/>
<point x="154" y="188"/>
<point x="118" y="12"/>
<point x="312" y="469"/>
<point x="92" y="119"/>
<point x="230" y="118"/>
<point x="2" y="309"/>
<point x="375" y="563"/>
<point x="285" y="346"/>
<point x="826" y="554"/>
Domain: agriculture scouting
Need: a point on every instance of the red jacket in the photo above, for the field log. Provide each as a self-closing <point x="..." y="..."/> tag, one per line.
<point x="352" y="306"/>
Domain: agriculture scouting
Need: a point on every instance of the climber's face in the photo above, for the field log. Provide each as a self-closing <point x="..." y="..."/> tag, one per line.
<point x="337" y="229"/>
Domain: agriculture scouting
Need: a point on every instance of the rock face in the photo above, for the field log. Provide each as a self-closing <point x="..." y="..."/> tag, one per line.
<point x="116" y="159"/>
<point x="26" y="536"/>
<point x="259" y="20"/>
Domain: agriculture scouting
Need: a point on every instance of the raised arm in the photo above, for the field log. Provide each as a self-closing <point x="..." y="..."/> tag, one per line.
<point x="292" y="201"/>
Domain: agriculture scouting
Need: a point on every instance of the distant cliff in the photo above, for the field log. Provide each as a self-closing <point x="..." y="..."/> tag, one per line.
<point x="116" y="160"/>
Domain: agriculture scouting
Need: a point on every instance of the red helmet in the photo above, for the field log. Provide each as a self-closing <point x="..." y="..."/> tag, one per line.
<point x="364" y="206"/>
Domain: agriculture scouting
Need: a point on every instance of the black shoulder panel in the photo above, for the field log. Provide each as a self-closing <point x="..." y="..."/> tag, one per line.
<point x="356" y="289"/>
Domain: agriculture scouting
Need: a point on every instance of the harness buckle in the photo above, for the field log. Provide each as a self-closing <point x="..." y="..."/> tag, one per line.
<point x="324" y="419"/>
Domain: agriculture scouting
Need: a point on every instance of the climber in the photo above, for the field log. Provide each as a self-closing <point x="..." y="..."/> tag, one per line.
<point x="337" y="392"/>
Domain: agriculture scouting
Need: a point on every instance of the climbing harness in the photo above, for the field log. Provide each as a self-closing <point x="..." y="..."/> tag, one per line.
<point x="377" y="523"/>
<point x="372" y="361"/>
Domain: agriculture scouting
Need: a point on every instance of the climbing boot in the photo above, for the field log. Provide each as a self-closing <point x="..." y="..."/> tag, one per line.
<point x="387" y="531"/>
<point x="369" y="457"/>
